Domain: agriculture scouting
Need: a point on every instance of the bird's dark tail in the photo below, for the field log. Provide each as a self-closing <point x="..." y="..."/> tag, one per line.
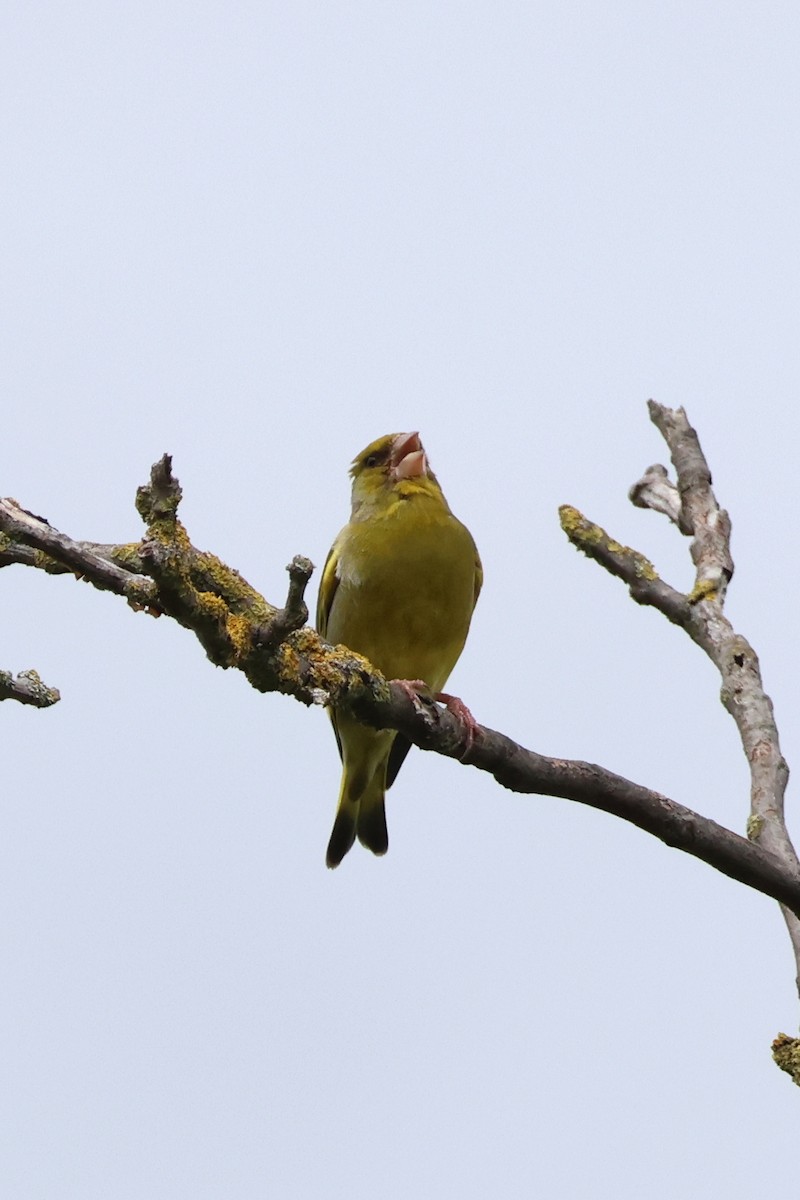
<point x="363" y="817"/>
<point x="343" y="834"/>
<point x="371" y="825"/>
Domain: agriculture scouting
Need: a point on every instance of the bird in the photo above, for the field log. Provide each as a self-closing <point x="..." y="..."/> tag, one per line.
<point x="399" y="586"/>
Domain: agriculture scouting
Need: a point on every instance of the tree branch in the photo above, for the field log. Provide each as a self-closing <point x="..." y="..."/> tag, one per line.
<point x="238" y="628"/>
<point x="27" y="688"/>
<point x="692" y="506"/>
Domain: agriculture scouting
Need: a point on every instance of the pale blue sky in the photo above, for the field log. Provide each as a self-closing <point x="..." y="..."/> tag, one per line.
<point x="257" y="236"/>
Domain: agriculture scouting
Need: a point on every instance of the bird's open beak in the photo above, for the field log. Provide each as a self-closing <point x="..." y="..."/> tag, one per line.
<point x="408" y="458"/>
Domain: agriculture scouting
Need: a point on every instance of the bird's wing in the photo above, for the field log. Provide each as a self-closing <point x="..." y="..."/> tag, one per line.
<point x="478" y="576"/>
<point x="328" y="585"/>
<point x="327" y="589"/>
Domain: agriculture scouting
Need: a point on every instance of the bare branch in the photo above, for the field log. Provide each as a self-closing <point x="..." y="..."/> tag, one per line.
<point x="522" y="770"/>
<point x="701" y="516"/>
<point x="25" y="532"/>
<point x="657" y="491"/>
<point x="701" y="615"/>
<point x="742" y="687"/>
<point x="27" y="688"/>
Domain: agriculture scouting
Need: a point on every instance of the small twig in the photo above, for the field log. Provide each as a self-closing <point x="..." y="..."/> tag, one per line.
<point x="162" y="495"/>
<point x="657" y="491"/>
<point x="80" y="558"/>
<point x="27" y="688"/>
<point x="194" y="587"/>
<point x="294" y="614"/>
<point x="626" y="564"/>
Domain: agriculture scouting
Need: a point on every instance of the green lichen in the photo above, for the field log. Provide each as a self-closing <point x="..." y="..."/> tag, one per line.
<point x="128" y="557"/>
<point x="211" y="574"/>
<point x="139" y="593"/>
<point x="43" y="562"/>
<point x="577" y="528"/>
<point x="755" y="825"/>
<point x="704" y="589"/>
<point x="642" y="566"/>
<point x="168" y="531"/>
<point x="595" y="542"/>
<point x="786" y="1053"/>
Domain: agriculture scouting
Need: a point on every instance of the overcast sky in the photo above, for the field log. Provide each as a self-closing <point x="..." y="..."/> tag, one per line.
<point x="258" y="236"/>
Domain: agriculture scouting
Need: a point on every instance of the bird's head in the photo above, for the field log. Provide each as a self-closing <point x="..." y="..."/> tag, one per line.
<point x="394" y="466"/>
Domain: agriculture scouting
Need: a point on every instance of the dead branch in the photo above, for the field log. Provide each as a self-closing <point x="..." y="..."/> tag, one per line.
<point x="692" y="506"/>
<point x="238" y="628"/>
<point x="27" y="688"/>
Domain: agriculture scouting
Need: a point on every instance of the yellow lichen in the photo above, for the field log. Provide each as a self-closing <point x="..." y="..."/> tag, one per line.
<point x="212" y="605"/>
<point x="704" y="589"/>
<point x="643" y="567"/>
<point x="240" y="632"/>
<point x="591" y="539"/>
<point x="577" y="528"/>
<point x="755" y="824"/>
<point x="127" y="556"/>
<point x="211" y="573"/>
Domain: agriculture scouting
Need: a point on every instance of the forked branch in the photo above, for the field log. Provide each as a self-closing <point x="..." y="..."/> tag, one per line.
<point x="164" y="574"/>
<point x="691" y="505"/>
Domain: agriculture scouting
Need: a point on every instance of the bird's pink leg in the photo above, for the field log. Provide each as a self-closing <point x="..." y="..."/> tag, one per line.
<point x="413" y="687"/>
<point x="459" y="709"/>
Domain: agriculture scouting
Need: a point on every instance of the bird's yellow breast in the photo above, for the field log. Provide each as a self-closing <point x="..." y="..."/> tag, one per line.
<point x="406" y="590"/>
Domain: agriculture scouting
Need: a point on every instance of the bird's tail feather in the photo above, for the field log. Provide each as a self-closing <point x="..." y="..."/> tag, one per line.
<point x="343" y="834"/>
<point x="371" y="826"/>
<point x="361" y="813"/>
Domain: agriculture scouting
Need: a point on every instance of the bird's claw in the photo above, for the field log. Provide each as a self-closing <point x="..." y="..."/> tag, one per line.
<point x="419" y="693"/>
<point x="468" y="723"/>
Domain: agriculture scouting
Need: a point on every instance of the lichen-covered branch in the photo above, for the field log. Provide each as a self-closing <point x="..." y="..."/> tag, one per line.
<point x="786" y="1053"/>
<point x="630" y="566"/>
<point x="238" y="628"/>
<point x="295" y="612"/>
<point x="27" y="688"/>
<point x="691" y="505"/>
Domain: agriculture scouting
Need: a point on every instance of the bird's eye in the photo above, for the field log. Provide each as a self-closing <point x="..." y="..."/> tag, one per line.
<point x="371" y="460"/>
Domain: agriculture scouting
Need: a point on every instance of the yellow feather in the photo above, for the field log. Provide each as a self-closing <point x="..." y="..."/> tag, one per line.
<point x="399" y="586"/>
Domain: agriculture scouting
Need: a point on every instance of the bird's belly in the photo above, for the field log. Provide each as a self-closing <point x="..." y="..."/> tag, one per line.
<point x="410" y="620"/>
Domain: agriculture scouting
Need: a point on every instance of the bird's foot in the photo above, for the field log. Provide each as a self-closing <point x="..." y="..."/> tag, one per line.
<point x="413" y="687"/>
<point x="417" y="691"/>
<point x="468" y="723"/>
<point x="420" y="694"/>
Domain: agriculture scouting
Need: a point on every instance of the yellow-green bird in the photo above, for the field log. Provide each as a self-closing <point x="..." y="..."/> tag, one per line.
<point x="399" y="586"/>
